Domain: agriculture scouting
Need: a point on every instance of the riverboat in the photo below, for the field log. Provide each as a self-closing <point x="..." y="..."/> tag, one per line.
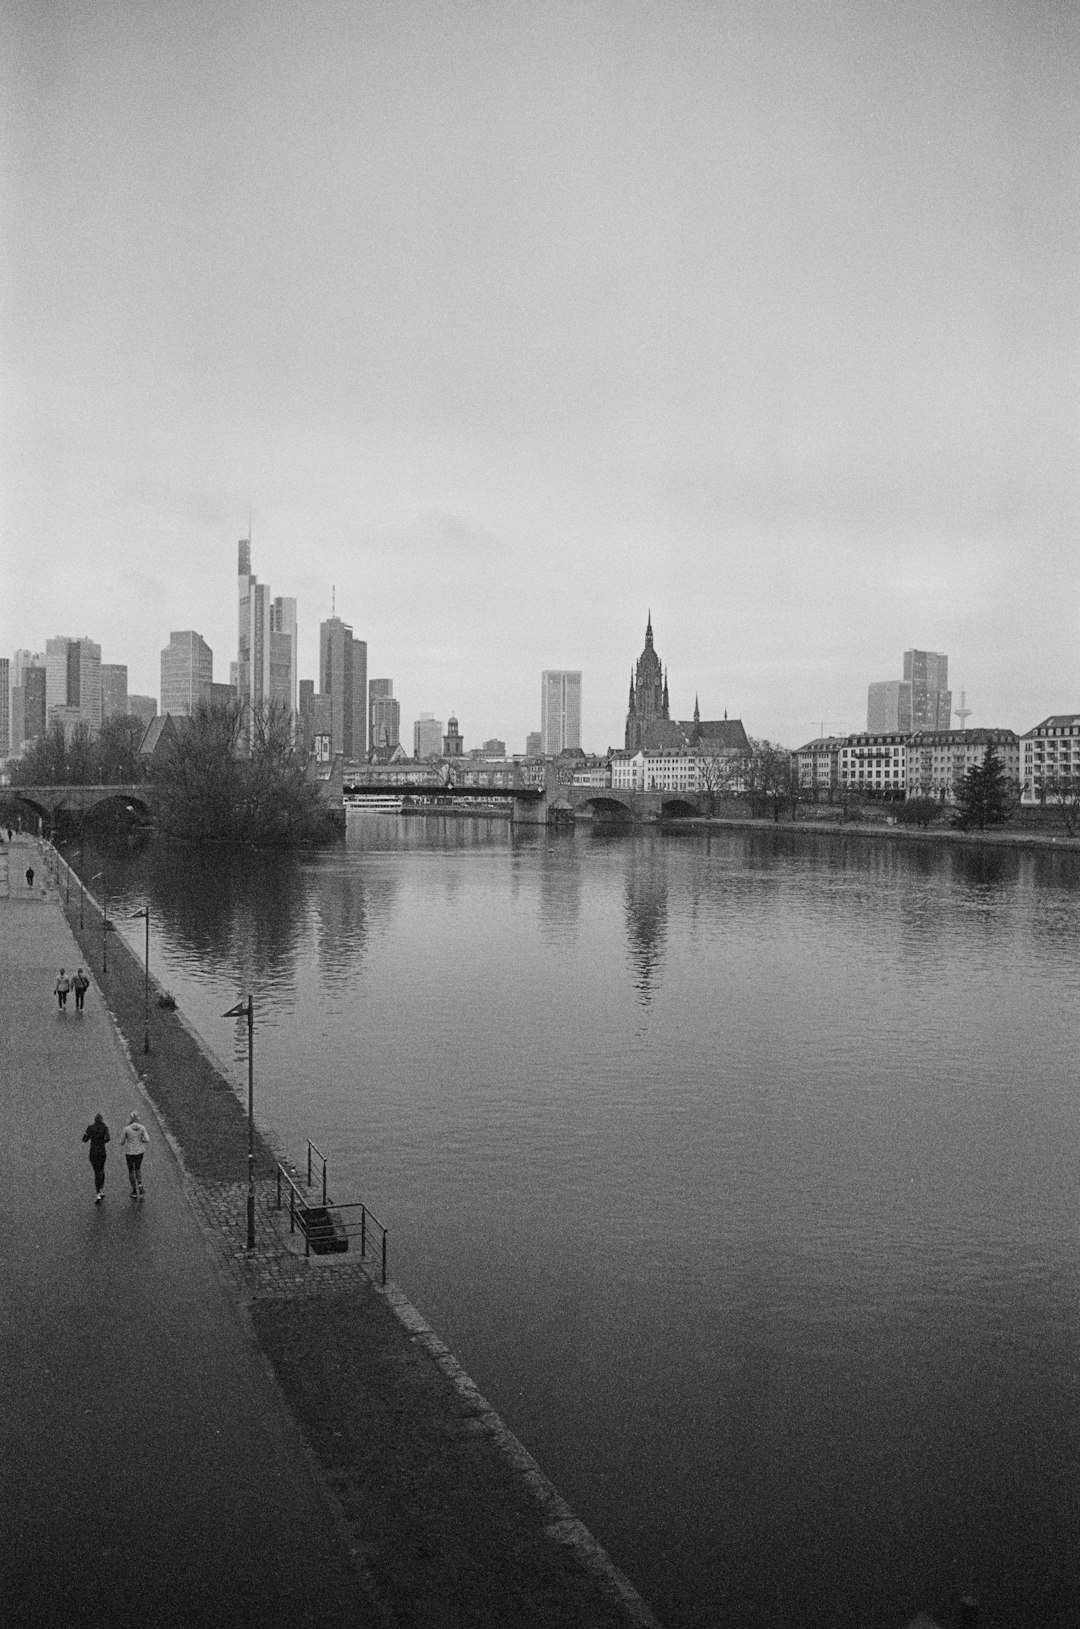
<point x="374" y="802"/>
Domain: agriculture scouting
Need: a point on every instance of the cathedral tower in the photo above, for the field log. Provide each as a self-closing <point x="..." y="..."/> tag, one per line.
<point x="648" y="693"/>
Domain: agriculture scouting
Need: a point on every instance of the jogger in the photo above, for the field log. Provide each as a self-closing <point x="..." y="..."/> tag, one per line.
<point x="134" y="1141"/>
<point x="97" y="1135"/>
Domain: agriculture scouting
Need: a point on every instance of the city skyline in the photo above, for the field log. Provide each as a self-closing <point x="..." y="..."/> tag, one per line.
<point x="512" y="325"/>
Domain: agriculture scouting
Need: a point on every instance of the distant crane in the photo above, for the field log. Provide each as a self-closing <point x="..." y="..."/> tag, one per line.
<point x="963" y="712"/>
<point x="833" y="723"/>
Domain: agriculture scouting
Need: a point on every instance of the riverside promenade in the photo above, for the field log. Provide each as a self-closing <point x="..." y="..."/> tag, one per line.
<point x="192" y="1432"/>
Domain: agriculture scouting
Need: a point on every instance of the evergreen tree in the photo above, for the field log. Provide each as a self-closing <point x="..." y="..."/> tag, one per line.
<point x="984" y="796"/>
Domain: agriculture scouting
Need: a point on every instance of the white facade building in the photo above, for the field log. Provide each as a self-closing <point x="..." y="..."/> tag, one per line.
<point x="938" y="760"/>
<point x="1050" y="759"/>
<point x="874" y="763"/>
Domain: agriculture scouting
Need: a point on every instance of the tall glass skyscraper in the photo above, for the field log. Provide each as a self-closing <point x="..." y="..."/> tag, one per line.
<point x="266" y="642"/>
<point x="560" y="711"/>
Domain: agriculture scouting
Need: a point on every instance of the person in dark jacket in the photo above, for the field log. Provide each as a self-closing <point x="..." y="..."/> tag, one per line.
<point x="97" y="1135"/>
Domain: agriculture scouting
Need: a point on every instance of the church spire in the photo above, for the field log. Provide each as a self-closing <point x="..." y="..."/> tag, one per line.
<point x="648" y="629"/>
<point x="697" y="710"/>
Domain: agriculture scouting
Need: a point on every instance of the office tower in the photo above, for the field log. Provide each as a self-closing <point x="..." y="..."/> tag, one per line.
<point x="114" y="696"/>
<point x="560" y="711"/>
<point x="315" y="721"/>
<point x="384" y="714"/>
<point x="927" y="671"/>
<point x="5" y="707"/>
<point x="187" y="672"/>
<point x="144" y="707"/>
<point x="266" y="641"/>
<point x="23" y="660"/>
<point x="427" y="737"/>
<point x="28" y="706"/>
<point x="534" y="744"/>
<point x="343" y="678"/>
<point x="888" y="707"/>
<point x="283" y="677"/>
<point x="73" y="680"/>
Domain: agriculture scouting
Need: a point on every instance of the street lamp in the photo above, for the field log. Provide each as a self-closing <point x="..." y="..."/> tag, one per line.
<point x="146" y="978"/>
<point x="242" y="1009"/>
<point x="104" y="922"/>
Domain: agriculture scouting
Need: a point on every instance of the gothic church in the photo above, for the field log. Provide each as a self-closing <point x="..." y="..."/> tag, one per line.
<point x="648" y="721"/>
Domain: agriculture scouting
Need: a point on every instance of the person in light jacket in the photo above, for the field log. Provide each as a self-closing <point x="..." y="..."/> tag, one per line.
<point x="97" y="1135"/>
<point x="134" y="1141"/>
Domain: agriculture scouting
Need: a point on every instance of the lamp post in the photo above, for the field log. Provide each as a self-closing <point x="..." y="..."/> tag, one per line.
<point x="145" y="912"/>
<point x="241" y="1010"/>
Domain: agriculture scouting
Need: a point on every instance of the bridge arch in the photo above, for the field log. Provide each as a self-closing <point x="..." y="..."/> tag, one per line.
<point x="605" y="806"/>
<point x="677" y="809"/>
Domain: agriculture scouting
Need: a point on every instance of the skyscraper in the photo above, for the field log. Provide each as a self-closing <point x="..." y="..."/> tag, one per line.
<point x="927" y="671"/>
<point x="5" y="706"/>
<point x="560" y="711"/>
<point x="888" y="707"/>
<point x="114" y="696"/>
<point x="427" y="737"/>
<point x="921" y="700"/>
<point x="28" y="701"/>
<point x="343" y="678"/>
<point x="187" y="672"/>
<point x="384" y="714"/>
<point x="73" y="680"/>
<point x="266" y="643"/>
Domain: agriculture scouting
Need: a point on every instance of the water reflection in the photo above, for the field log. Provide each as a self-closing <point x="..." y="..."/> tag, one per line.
<point x="821" y="1191"/>
<point x="646" y="887"/>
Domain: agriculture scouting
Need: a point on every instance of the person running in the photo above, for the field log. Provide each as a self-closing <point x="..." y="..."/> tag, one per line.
<point x="80" y="984"/>
<point x="62" y="986"/>
<point x="97" y="1135"/>
<point x="134" y="1141"/>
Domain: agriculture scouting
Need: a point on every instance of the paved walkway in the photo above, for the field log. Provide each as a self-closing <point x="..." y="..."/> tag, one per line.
<point x="152" y="1474"/>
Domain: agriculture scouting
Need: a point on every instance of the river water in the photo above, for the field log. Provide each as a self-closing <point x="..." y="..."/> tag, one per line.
<point x="739" y="1168"/>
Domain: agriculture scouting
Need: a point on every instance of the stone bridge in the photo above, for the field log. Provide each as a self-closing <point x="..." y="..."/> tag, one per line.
<point x="46" y="802"/>
<point x="533" y="801"/>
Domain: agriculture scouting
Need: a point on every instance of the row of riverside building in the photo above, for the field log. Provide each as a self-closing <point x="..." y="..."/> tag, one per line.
<point x="932" y="763"/>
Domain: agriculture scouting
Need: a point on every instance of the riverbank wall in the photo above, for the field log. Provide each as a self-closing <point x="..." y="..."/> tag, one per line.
<point x="449" y="1517"/>
<point x="996" y="837"/>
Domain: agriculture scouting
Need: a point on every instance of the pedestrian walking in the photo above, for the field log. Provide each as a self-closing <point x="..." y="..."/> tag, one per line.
<point x="97" y="1135"/>
<point x="29" y="876"/>
<point x="80" y="984"/>
<point x="134" y="1141"/>
<point x="61" y="987"/>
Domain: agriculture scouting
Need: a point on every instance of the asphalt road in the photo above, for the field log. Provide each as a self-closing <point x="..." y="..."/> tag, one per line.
<point x="151" y="1472"/>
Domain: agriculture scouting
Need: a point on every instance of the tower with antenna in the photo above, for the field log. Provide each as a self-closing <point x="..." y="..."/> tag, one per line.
<point x="963" y="712"/>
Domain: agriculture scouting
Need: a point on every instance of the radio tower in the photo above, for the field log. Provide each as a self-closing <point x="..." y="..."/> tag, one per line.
<point x="963" y="712"/>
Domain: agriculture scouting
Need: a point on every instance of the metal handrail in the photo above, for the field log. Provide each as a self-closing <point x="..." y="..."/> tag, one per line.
<point x="311" y="1149"/>
<point x="300" y="1201"/>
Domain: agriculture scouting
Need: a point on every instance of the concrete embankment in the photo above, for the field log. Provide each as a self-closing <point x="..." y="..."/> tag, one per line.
<point x="448" y="1517"/>
<point x="995" y="837"/>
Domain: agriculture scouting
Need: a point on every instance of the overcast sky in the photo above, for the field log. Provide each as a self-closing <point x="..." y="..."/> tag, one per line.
<point x="514" y="321"/>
